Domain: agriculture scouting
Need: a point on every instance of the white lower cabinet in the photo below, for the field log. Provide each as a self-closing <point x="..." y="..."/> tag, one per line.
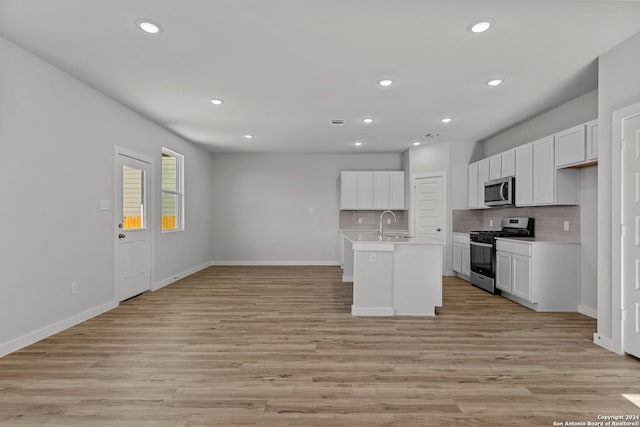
<point x="513" y="274"/>
<point x="544" y="276"/>
<point x="466" y="260"/>
<point x="457" y="257"/>
<point x="521" y="277"/>
<point x="461" y="254"/>
<point x="503" y="271"/>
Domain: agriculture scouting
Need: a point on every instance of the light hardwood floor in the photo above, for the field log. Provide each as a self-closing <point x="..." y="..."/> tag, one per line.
<point x="278" y="346"/>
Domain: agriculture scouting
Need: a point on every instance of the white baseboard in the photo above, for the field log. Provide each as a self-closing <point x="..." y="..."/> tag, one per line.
<point x="331" y="263"/>
<point x="414" y="314"/>
<point x="603" y="341"/>
<point x="588" y="311"/>
<point x="371" y="311"/>
<point x="176" y="277"/>
<point x="347" y="279"/>
<point x="42" y="333"/>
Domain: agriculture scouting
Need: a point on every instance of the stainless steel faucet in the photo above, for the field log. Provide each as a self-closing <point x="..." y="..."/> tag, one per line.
<point x="381" y="229"/>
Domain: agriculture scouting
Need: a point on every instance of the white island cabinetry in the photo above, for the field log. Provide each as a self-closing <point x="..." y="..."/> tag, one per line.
<point x="392" y="276"/>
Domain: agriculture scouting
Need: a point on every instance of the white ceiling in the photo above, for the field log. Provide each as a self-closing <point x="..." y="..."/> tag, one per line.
<point x="285" y="68"/>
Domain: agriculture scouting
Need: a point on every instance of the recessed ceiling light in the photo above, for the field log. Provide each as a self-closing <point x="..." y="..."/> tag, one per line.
<point x="416" y="143"/>
<point x="217" y="101"/>
<point x="480" y="26"/>
<point x="385" y="82"/>
<point x="446" y="119"/>
<point x="368" y="120"/>
<point x="248" y="136"/>
<point x="494" y="82"/>
<point x="357" y="143"/>
<point x="148" y="26"/>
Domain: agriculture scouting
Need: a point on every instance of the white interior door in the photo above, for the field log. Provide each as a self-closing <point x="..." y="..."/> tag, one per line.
<point x="631" y="237"/>
<point x="429" y="209"/>
<point x="132" y="227"/>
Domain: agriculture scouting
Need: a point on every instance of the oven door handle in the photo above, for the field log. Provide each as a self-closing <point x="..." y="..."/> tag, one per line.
<point x="484" y="245"/>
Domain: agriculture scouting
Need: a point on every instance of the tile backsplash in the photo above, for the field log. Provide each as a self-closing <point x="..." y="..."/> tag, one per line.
<point x="369" y="220"/>
<point x="549" y="219"/>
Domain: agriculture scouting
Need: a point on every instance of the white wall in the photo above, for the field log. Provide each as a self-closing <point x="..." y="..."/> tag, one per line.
<point x="281" y="209"/>
<point x="619" y="86"/>
<point x="57" y="137"/>
<point x="578" y="110"/>
<point x="452" y="158"/>
<point x="589" y="240"/>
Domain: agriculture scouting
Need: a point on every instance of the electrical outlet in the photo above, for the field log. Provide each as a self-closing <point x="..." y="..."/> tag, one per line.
<point x="74" y="288"/>
<point x="388" y="220"/>
<point x="372" y="258"/>
<point x="490" y="223"/>
<point x="566" y="226"/>
<point x="359" y="220"/>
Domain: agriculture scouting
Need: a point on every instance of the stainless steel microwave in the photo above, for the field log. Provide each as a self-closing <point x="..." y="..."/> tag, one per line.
<point x="500" y="192"/>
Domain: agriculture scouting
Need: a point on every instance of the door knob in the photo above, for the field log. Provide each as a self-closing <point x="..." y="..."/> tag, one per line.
<point x="438" y="229"/>
<point x="121" y="236"/>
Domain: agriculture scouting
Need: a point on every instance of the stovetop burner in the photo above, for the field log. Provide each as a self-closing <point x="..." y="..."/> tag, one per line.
<point x="511" y="227"/>
<point x="500" y="233"/>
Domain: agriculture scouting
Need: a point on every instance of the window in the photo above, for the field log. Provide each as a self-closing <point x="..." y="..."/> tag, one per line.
<point x="172" y="191"/>
<point x="133" y="196"/>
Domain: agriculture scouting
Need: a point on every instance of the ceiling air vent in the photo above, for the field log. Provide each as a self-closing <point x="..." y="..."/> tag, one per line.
<point x="337" y="122"/>
<point x="432" y="135"/>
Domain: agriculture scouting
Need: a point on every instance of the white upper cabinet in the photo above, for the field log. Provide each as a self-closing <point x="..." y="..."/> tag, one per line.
<point x="365" y="190"/>
<point x="577" y="146"/>
<point x="495" y="167"/>
<point x="472" y="186"/>
<point x="508" y="163"/>
<point x="483" y="176"/>
<point x="478" y="175"/>
<point x="552" y="186"/>
<point x="524" y="175"/>
<point x="571" y="146"/>
<point x="544" y="172"/>
<point x="592" y="140"/>
<point x="349" y="190"/>
<point x="372" y="190"/>
<point x="397" y="190"/>
<point x="381" y="190"/>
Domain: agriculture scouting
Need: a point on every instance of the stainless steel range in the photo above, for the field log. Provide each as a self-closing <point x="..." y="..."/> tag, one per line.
<point x="483" y="249"/>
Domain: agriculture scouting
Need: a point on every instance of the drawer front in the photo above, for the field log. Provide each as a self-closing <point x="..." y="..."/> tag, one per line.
<point x="520" y="248"/>
<point x="461" y="238"/>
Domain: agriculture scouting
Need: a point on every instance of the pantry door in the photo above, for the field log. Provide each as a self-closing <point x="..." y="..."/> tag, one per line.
<point x="132" y="224"/>
<point x="629" y="125"/>
<point x="429" y="207"/>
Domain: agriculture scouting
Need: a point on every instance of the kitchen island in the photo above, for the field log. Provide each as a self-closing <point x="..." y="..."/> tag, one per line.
<point x="393" y="275"/>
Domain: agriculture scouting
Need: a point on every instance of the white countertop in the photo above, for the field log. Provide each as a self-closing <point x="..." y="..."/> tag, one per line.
<point x="543" y="239"/>
<point x="537" y="239"/>
<point x="389" y="237"/>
